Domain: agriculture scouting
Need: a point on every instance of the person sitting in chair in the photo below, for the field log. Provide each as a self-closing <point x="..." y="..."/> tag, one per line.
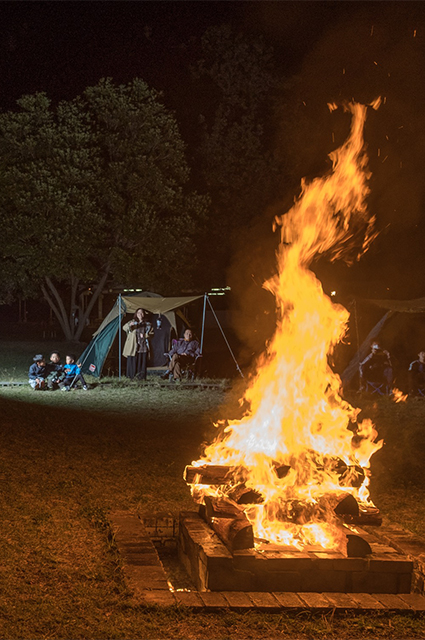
<point x="376" y="368"/>
<point x="184" y="352"/>
<point x="417" y="375"/>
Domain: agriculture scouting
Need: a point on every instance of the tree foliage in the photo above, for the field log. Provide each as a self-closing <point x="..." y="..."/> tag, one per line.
<point x="91" y="191"/>
<point x="236" y="158"/>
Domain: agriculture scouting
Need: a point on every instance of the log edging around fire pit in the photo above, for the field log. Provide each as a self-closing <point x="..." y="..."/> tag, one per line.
<point x="146" y="578"/>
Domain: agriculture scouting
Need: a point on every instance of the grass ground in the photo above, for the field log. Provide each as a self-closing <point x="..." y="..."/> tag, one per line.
<point x="68" y="459"/>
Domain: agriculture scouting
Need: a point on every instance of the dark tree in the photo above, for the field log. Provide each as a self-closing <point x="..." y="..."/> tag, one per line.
<point x="237" y="163"/>
<point x="92" y="191"/>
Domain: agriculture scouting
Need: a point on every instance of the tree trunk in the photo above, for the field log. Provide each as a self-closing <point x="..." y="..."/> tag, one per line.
<point x="71" y="331"/>
<point x="96" y="293"/>
<point x="55" y="302"/>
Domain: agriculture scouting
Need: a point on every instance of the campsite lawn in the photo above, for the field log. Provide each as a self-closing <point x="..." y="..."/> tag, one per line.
<point x="68" y="459"/>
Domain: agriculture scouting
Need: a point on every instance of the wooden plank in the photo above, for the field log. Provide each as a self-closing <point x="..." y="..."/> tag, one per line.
<point x="341" y="600"/>
<point x="264" y="601"/>
<point x="367" y="602"/>
<point x="288" y="600"/>
<point x="142" y="567"/>
<point x="190" y="599"/>
<point x="237" y="600"/>
<point x="213" y="600"/>
<point x="157" y="598"/>
<point x="392" y="601"/>
<point x="145" y="578"/>
<point x="415" y="600"/>
<point x="315" y="600"/>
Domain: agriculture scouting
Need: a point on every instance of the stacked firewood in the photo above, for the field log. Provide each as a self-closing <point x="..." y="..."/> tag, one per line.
<point x="226" y="516"/>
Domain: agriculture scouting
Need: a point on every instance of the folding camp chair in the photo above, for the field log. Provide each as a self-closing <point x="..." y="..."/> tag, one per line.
<point x="379" y="388"/>
<point x="190" y="369"/>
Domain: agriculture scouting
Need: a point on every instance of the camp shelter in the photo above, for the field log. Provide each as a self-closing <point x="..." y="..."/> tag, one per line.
<point x="166" y="309"/>
<point x="393" y="308"/>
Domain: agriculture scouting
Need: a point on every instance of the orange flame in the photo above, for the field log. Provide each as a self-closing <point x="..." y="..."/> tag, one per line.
<point x="297" y="419"/>
<point x="398" y="396"/>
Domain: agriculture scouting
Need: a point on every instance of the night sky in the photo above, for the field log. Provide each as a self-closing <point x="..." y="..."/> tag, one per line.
<point x="62" y="47"/>
<point x="327" y="50"/>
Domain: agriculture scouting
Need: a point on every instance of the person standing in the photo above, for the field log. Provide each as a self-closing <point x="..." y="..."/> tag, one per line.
<point x="144" y="331"/>
<point x="136" y="347"/>
<point x="417" y="375"/>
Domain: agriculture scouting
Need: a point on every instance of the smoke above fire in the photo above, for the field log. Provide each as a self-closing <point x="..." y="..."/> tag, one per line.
<point x="299" y="447"/>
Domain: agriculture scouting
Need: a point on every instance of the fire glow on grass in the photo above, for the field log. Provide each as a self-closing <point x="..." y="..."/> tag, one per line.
<point x="296" y="417"/>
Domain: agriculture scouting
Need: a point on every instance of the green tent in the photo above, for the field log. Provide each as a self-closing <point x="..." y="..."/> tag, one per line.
<point x="94" y="356"/>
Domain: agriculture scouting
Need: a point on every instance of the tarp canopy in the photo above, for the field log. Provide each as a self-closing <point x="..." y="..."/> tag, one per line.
<point x="151" y="302"/>
<point x="402" y="306"/>
<point x="353" y="367"/>
<point x="392" y="307"/>
<point x="94" y="356"/>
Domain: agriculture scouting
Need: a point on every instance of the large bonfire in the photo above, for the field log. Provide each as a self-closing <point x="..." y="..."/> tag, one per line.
<point x="299" y="447"/>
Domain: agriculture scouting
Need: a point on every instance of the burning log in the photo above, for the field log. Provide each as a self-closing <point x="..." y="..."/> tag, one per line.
<point x="354" y="513"/>
<point x="236" y="533"/>
<point x="352" y="476"/>
<point x="242" y="494"/>
<point x="348" y="506"/>
<point x="349" y="475"/>
<point x="213" y="474"/>
<point x="221" y="508"/>
<point x="281" y="470"/>
<point x="367" y="516"/>
<point x="229" y="522"/>
<point x="357" y="547"/>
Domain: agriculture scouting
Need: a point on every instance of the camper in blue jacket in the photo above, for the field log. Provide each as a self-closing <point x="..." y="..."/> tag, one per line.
<point x="72" y="374"/>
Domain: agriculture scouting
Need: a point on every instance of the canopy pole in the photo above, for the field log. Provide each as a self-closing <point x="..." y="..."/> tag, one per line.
<point x="203" y="322"/>
<point x="224" y="336"/>
<point x="119" y="336"/>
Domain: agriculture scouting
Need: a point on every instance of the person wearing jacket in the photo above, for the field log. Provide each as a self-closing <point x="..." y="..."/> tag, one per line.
<point x="184" y="351"/>
<point x="136" y="346"/>
<point x="72" y="374"/>
<point x="417" y="375"/>
<point x="55" y="373"/>
<point x="376" y="367"/>
<point x="37" y="372"/>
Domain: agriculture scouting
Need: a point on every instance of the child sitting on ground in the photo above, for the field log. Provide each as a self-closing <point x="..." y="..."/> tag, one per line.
<point x="37" y="373"/>
<point x="55" y="371"/>
<point x="72" y="374"/>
